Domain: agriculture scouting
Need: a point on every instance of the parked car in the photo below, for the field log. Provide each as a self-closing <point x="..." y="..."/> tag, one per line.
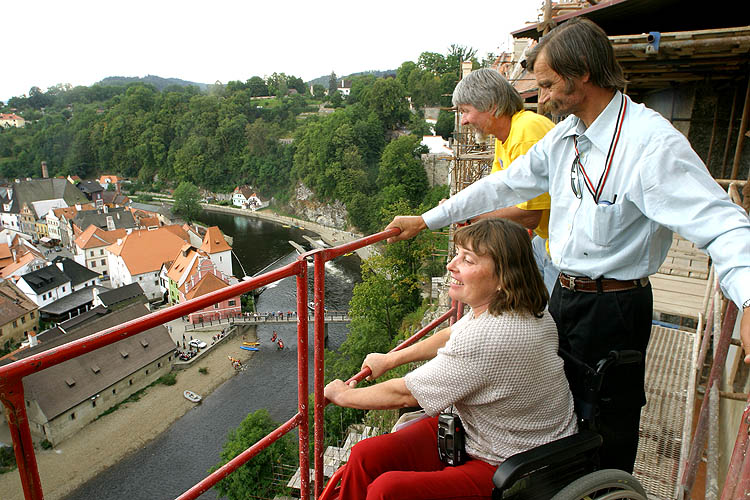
<point x="198" y="344"/>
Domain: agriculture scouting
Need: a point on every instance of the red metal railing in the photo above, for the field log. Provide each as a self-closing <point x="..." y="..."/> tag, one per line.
<point x="11" y="375"/>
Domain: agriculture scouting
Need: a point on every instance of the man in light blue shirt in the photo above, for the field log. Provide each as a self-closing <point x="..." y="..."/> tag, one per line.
<point x="622" y="180"/>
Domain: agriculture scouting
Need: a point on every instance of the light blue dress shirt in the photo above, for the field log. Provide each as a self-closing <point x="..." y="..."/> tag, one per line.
<point x="661" y="186"/>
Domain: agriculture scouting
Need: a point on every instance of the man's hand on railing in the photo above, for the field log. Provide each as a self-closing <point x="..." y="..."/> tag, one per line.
<point x="410" y="226"/>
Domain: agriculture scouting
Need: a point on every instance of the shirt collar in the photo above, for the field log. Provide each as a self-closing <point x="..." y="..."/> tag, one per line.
<point x="600" y="132"/>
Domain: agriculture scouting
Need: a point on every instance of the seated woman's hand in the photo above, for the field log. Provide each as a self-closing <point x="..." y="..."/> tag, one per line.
<point x="377" y="363"/>
<point x="334" y="390"/>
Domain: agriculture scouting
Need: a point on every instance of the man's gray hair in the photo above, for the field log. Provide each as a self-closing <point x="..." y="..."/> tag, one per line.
<point x="486" y="89"/>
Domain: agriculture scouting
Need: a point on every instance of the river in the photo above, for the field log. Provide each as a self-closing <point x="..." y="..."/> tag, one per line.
<point x="181" y="456"/>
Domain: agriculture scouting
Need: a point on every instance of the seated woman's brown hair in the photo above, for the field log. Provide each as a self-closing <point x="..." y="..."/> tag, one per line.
<point x="507" y="243"/>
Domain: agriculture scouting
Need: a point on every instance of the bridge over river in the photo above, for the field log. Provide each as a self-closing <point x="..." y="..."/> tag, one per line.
<point x="267" y="318"/>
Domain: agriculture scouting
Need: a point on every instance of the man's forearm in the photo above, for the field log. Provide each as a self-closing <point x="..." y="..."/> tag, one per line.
<point x="527" y="218"/>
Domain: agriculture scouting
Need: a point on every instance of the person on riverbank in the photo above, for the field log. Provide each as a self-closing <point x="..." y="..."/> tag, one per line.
<point x="497" y="366"/>
<point x="607" y="238"/>
<point x="489" y="103"/>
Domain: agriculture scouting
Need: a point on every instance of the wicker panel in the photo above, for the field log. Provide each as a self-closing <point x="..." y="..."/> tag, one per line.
<point x="666" y="419"/>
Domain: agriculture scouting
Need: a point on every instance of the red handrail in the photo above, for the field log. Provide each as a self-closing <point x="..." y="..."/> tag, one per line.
<point x="11" y="375"/>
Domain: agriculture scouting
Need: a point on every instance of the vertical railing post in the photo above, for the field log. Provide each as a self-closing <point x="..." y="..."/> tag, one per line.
<point x="302" y="392"/>
<point x="739" y="459"/>
<point x="11" y="394"/>
<point x="319" y="368"/>
<point x="701" y="429"/>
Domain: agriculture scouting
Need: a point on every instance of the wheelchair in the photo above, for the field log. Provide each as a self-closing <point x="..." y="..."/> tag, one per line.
<point x="564" y="469"/>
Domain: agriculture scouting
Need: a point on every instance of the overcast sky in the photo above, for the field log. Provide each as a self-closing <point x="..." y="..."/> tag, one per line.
<point x="82" y="41"/>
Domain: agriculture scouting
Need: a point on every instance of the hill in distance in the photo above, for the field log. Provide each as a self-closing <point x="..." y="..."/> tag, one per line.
<point x="157" y="81"/>
<point x="323" y="80"/>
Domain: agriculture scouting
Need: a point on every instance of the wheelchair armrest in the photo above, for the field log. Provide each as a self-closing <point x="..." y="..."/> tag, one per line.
<point x="550" y="454"/>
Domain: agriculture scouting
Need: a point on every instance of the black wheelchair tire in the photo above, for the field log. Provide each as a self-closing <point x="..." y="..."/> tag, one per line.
<point x="606" y="484"/>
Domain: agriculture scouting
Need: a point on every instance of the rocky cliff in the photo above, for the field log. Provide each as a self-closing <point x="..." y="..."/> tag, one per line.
<point x="306" y="206"/>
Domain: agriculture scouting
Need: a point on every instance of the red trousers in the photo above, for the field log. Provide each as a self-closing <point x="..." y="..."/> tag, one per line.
<point x="405" y="465"/>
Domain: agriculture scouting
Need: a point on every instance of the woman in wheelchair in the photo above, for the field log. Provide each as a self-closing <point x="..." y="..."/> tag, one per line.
<point x="498" y="367"/>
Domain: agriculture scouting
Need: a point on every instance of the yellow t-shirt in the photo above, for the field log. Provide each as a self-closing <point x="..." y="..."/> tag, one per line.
<point x="526" y="128"/>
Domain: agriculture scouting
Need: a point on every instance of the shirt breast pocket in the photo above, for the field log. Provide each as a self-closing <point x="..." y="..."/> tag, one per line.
<point x="606" y="224"/>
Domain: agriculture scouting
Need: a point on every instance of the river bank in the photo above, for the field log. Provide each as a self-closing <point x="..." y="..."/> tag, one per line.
<point x="331" y="236"/>
<point x="108" y="440"/>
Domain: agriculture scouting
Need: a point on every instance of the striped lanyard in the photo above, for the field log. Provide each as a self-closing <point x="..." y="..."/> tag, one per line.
<point x="596" y="192"/>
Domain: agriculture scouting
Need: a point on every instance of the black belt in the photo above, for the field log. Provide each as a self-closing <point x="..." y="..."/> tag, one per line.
<point x="583" y="284"/>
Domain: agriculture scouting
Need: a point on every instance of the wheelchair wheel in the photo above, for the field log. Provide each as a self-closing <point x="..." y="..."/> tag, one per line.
<point x="606" y="484"/>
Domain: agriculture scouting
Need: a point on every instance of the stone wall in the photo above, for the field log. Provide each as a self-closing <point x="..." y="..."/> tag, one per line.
<point x="437" y="168"/>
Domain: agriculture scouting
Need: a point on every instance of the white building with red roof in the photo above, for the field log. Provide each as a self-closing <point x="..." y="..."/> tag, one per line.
<point x="140" y="255"/>
<point x="217" y="248"/>
<point x="90" y="248"/>
<point x="8" y="120"/>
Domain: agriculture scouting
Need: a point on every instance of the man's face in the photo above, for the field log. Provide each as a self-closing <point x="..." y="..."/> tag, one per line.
<point x="562" y="97"/>
<point x="480" y="120"/>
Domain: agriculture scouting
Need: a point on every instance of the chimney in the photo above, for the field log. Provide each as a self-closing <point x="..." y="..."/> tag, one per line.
<point x="32" y="339"/>
<point x="78" y="207"/>
<point x="106" y="209"/>
<point x="13" y="250"/>
<point x="45" y="173"/>
<point x="110" y="223"/>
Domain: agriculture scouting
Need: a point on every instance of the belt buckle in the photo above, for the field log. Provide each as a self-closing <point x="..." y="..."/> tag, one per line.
<point x="571" y="282"/>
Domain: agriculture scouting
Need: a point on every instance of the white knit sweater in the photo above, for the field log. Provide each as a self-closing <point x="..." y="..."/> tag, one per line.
<point x="506" y="381"/>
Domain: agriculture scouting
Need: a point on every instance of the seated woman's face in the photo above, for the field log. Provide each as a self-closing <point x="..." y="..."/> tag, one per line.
<point x="473" y="280"/>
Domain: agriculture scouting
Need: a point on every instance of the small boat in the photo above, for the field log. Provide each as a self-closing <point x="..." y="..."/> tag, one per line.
<point x="348" y="254"/>
<point x="191" y="396"/>
<point x="251" y="344"/>
<point x="248" y="348"/>
<point x="286" y="226"/>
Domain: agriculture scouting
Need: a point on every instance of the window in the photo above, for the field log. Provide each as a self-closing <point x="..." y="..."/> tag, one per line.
<point x="93" y="403"/>
<point x="102" y="262"/>
<point x="146" y="372"/>
<point x="31" y="314"/>
<point x="158" y="365"/>
<point x="232" y="302"/>
<point x="73" y="415"/>
<point x="63" y="289"/>
<point x="23" y="320"/>
<point x="15" y="323"/>
<point x="101" y="252"/>
<point x="130" y="382"/>
<point x="114" y="391"/>
<point x="91" y="253"/>
<point x="216" y="306"/>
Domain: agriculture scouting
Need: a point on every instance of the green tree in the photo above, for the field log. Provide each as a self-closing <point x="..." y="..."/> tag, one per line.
<point x="387" y="98"/>
<point x="319" y="91"/>
<point x="187" y="201"/>
<point x="257" y="86"/>
<point x="401" y="165"/>
<point x="333" y="84"/>
<point x="445" y="124"/>
<point x="255" y="478"/>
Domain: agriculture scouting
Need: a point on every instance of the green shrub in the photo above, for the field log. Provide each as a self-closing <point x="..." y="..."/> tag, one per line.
<point x="7" y="459"/>
<point x="168" y="379"/>
<point x="46" y="445"/>
<point x="203" y="370"/>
